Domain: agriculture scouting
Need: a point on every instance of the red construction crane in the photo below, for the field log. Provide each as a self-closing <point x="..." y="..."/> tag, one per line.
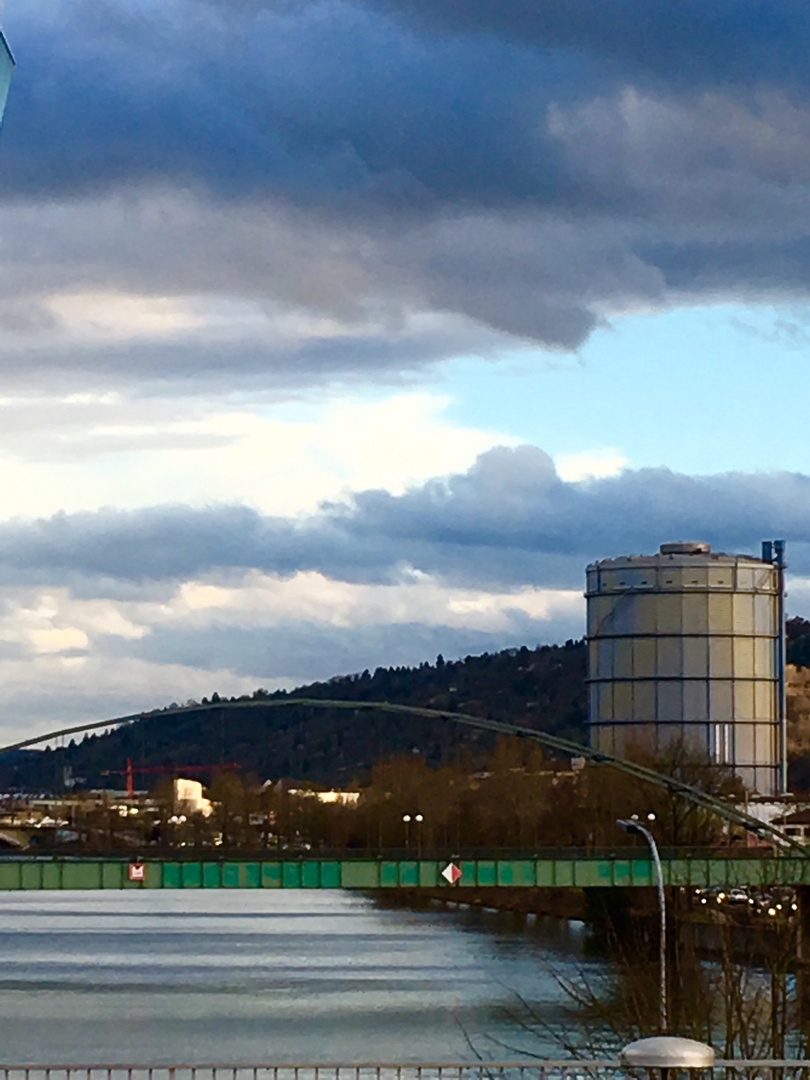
<point x="131" y="770"/>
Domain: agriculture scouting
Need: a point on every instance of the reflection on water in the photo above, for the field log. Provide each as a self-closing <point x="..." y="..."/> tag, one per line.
<point x="260" y="976"/>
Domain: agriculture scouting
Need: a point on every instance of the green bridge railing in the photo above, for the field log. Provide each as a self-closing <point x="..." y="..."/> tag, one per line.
<point x="44" y="872"/>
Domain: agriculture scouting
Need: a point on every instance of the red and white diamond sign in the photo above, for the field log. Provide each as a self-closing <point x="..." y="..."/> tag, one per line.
<point x="451" y="873"/>
<point x="137" y="871"/>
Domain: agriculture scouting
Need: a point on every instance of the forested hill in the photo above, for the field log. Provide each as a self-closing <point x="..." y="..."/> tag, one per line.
<point x="542" y="687"/>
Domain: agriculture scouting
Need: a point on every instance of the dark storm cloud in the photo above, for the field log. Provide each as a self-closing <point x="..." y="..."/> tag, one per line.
<point x="532" y="168"/>
<point x="690" y="42"/>
<point x="509" y="521"/>
<point x="320" y="104"/>
<point x="169" y="369"/>
<point x="695" y="41"/>
<point x="738" y="264"/>
<point x="524" y="274"/>
<point x="319" y="101"/>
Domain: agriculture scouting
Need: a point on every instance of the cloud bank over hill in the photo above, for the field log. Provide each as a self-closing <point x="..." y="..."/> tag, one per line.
<point x="509" y="522"/>
<point x="99" y="606"/>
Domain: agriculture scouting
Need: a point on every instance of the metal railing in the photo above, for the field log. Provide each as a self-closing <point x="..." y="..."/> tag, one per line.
<point x="569" y="1069"/>
<point x="193" y="852"/>
<point x="377" y="1070"/>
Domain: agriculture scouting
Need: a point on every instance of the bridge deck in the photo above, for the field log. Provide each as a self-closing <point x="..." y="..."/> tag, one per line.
<point x="38" y="872"/>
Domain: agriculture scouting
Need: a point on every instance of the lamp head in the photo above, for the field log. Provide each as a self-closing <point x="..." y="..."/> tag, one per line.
<point x="629" y="826"/>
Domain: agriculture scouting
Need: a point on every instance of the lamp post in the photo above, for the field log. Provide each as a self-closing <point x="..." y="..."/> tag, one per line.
<point x="418" y="819"/>
<point x="631" y="825"/>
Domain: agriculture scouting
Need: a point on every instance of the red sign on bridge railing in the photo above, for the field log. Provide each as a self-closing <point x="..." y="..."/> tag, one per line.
<point x="451" y="873"/>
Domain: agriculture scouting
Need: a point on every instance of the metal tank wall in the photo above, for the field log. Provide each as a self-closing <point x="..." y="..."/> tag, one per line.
<point x="683" y="645"/>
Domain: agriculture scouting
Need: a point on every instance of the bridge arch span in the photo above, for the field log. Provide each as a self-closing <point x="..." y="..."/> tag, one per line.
<point x="724" y="810"/>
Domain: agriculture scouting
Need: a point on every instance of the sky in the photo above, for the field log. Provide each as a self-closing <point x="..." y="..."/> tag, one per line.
<point x="341" y="334"/>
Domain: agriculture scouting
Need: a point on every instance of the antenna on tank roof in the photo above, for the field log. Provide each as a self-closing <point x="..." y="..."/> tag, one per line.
<point x="773" y="551"/>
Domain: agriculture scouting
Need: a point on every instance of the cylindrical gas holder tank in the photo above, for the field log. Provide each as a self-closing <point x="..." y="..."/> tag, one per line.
<point x="683" y="647"/>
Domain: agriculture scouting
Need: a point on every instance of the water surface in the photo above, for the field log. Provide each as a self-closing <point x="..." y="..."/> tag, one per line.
<point x="269" y="976"/>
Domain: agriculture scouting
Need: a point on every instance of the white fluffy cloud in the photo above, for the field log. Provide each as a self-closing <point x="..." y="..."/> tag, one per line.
<point x="590" y="464"/>
<point x="83" y="451"/>
<point x="67" y="658"/>
<point x="266" y="600"/>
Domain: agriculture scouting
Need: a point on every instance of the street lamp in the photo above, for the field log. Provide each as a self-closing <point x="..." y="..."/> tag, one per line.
<point x="408" y="818"/>
<point x="632" y="825"/>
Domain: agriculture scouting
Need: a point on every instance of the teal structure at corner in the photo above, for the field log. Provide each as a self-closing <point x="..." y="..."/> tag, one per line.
<point x="6" y="71"/>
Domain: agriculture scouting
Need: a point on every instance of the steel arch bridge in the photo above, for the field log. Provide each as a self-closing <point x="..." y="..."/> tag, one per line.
<point x="727" y="811"/>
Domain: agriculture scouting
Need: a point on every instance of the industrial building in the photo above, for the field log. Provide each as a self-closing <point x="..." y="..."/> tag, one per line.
<point x="688" y="646"/>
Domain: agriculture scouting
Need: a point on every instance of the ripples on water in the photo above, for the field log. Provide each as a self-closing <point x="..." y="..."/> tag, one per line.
<point x="268" y="976"/>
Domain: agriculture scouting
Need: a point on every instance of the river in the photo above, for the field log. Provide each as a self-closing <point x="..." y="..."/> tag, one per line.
<point x="260" y="976"/>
